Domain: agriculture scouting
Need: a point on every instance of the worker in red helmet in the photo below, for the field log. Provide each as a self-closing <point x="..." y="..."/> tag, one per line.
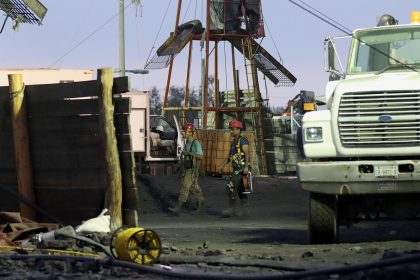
<point x="240" y="159"/>
<point x="190" y="163"/>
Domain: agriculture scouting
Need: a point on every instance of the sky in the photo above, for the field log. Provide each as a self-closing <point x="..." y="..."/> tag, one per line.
<point x="83" y="34"/>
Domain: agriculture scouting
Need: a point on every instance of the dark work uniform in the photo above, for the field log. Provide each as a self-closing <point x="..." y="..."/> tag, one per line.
<point x="238" y="161"/>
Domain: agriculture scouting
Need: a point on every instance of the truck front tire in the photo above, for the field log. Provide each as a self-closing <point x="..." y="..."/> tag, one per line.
<point x="323" y="219"/>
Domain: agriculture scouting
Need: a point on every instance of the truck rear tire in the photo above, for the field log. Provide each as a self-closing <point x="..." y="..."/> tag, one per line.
<point x="323" y="219"/>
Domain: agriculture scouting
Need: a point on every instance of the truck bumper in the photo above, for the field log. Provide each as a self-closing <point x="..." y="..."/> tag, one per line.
<point x="359" y="177"/>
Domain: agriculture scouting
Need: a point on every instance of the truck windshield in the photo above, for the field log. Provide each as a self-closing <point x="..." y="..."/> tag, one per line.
<point x="382" y="49"/>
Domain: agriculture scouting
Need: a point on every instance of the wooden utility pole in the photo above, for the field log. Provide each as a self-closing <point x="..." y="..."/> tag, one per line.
<point x="21" y="143"/>
<point x="113" y="192"/>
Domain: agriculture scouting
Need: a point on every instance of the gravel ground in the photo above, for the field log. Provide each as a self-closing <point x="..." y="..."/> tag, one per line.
<point x="270" y="242"/>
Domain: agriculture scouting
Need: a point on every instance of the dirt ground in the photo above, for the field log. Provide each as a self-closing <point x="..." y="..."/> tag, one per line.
<point x="272" y="235"/>
<point x="269" y="242"/>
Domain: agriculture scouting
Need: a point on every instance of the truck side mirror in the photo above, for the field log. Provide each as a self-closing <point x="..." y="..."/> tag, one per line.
<point x="331" y="56"/>
<point x="330" y="65"/>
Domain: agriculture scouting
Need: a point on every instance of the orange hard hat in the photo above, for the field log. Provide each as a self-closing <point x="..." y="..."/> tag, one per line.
<point x="188" y="127"/>
<point x="235" y="124"/>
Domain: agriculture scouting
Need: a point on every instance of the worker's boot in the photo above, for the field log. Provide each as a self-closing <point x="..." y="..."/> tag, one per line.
<point x="244" y="208"/>
<point x="231" y="211"/>
<point x="200" y="206"/>
<point x="176" y="209"/>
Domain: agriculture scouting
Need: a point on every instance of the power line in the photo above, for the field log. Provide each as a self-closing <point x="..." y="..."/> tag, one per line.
<point x="160" y="28"/>
<point x="319" y="12"/>
<point x="348" y="32"/>
<point x="344" y="30"/>
<point x="186" y="11"/>
<point x="87" y="37"/>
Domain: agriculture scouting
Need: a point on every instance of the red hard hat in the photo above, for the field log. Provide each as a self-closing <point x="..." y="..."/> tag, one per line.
<point x="235" y="124"/>
<point x="188" y="127"/>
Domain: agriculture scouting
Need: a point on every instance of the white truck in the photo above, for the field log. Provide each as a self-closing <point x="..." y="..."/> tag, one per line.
<point x="154" y="139"/>
<point x="362" y="153"/>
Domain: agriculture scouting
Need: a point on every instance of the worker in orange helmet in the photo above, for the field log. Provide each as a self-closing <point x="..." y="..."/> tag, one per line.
<point x="190" y="163"/>
<point x="240" y="159"/>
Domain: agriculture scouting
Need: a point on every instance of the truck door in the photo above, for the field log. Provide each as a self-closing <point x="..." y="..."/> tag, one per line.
<point x="138" y="129"/>
<point x="179" y="139"/>
<point x="165" y="140"/>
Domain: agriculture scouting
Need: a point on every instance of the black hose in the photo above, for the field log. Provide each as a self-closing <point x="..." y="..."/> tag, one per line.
<point x="207" y="275"/>
<point x="102" y="247"/>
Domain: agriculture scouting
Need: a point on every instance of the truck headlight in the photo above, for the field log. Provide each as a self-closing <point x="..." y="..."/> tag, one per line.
<point x="313" y="134"/>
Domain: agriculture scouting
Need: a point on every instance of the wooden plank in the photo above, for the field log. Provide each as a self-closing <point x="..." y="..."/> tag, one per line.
<point x="72" y="90"/>
<point x="54" y="108"/>
<point x="6" y="140"/>
<point x="65" y="177"/>
<point x="122" y="123"/>
<point x="127" y="164"/>
<point x="5" y="119"/>
<point x="61" y="91"/>
<point x="4" y="106"/>
<point x="21" y="143"/>
<point x="7" y="158"/>
<point x="121" y="85"/>
<point x="8" y="176"/>
<point x="122" y="105"/>
<point x="113" y="181"/>
<point x="130" y="198"/>
<point x="63" y="133"/>
<point x="71" y="205"/>
<point x="64" y="141"/>
<point x="73" y="124"/>
<point x="124" y="142"/>
<point x="8" y="202"/>
<point x="130" y="218"/>
<point x="52" y="159"/>
<point x="85" y="124"/>
<point x="4" y="101"/>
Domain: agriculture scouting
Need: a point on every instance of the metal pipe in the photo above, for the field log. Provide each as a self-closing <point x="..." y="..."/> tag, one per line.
<point x="206" y="77"/>
<point x="234" y="109"/>
<point x="187" y="82"/>
<point x="180" y="108"/>
<point x="122" y="41"/>
<point x="216" y="83"/>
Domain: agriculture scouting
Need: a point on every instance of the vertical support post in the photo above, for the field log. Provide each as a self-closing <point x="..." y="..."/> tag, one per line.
<point x="21" y="143"/>
<point x="260" y="120"/>
<point x="216" y="83"/>
<point x="206" y="77"/>
<point x="122" y="40"/>
<point x="113" y="191"/>
<point x="239" y="114"/>
<point x="235" y="80"/>
<point x="171" y="63"/>
<point x="203" y="73"/>
<point x="187" y="82"/>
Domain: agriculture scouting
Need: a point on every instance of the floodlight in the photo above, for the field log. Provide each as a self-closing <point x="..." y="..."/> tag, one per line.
<point x="26" y="11"/>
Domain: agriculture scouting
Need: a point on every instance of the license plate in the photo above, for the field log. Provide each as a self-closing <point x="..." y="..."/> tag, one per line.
<point x="386" y="171"/>
<point x="387" y="186"/>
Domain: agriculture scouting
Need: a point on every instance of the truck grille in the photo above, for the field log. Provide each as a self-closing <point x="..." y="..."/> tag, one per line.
<point x="378" y="119"/>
